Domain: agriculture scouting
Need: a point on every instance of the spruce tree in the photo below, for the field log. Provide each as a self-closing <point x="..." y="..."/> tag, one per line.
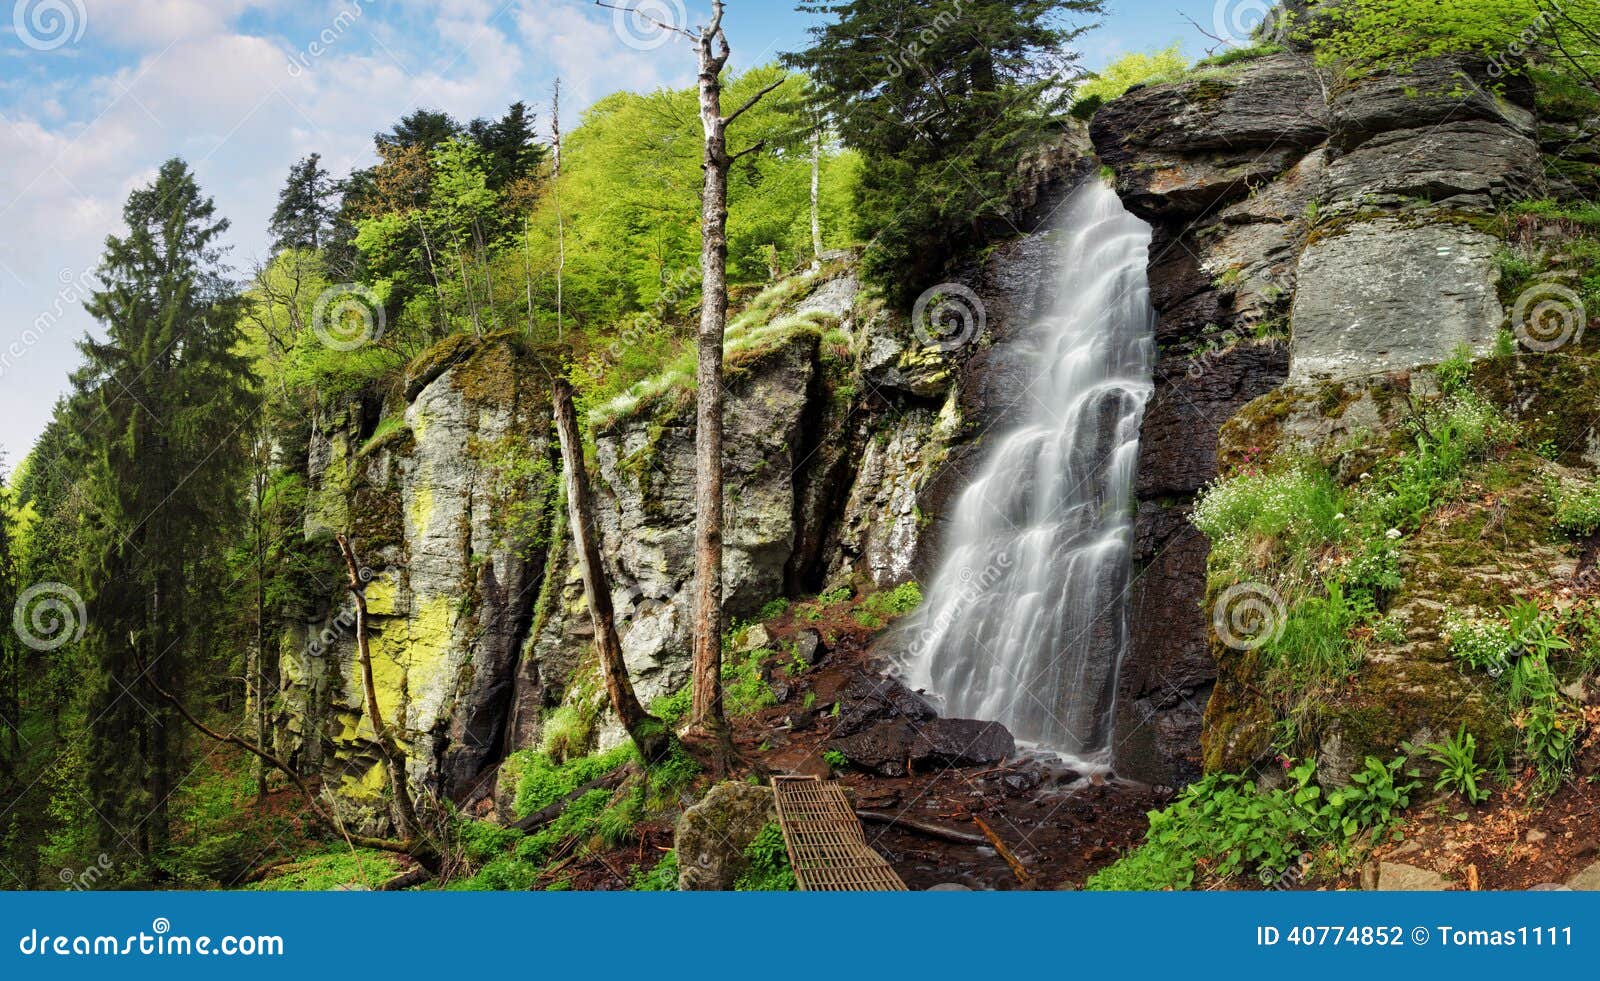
<point x="161" y="407"/>
<point x="943" y="99"/>
<point x="303" y="215"/>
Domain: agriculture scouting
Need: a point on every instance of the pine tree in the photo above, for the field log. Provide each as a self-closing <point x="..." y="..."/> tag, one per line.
<point x="303" y="215"/>
<point x="160" y="407"/>
<point x="943" y="99"/>
<point x="510" y="144"/>
<point x="423" y="127"/>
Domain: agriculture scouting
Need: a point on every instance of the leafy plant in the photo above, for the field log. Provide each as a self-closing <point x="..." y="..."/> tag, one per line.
<point x="767" y="866"/>
<point x="1460" y="773"/>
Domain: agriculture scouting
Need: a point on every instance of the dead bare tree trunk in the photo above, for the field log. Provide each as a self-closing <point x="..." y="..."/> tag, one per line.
<point x="706" y="718"/>
<point x="387" y="746"/>
<point x="648" y="733"/>
<point x="816" y="194"/>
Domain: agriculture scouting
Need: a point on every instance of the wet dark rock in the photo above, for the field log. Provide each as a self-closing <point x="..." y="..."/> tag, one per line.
<point x="962" y="742"/>
<point x="884" y="748"/>
<point x="868" y="699"/>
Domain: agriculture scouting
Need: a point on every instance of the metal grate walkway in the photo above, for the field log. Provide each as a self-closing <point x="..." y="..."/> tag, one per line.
<point x="827" y="848"/>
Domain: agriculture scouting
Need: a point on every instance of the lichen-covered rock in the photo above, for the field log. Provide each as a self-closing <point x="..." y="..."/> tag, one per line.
<point x="437" y="503"/>
<point x="711" y="836"/>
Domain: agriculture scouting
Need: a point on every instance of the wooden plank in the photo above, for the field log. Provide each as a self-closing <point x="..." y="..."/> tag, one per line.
<point x="827" y="847"/>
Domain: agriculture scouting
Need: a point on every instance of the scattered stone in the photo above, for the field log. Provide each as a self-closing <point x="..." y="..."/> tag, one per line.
<point x="1586" y="881"/>
<point x="1549" y="887"/>
<point x="1534" y="836"/>
<point x="755" y="638"/>
<point x="1399" y="877"/>
<point x="712" y="835"/>
<point x="949" y="887"/>
<point x="808" y="647"/>
<point x="1022" y="781"/>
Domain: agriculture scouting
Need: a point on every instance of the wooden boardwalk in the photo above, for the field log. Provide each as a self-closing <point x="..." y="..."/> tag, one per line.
<point x="827" y="848"/>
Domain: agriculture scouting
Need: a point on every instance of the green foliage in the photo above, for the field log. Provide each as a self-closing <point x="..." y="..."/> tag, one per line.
<point x="542" y="781"/>
<point x="1519" y="649"/>
<point x="1139" y="68"/>
<point x="1224" y="826"/>
<point x="1577" y="510"/>
<point x="835" y="759"/>
<point x="674" y="709"/>
<point x="768" y="868"/>
<point x="1314" y="640"/>
<point x="745" y="690"/>
<point x="1367" y="35"/>
<point x="663" y="877"/>
<point x="1459" y="770"/>
<point x="567" y="733"/>
<point x="773" y="609"/>
<point x="942" y="124"/>
<point x="1239" y="55"/>
<point x="335" y="868"/>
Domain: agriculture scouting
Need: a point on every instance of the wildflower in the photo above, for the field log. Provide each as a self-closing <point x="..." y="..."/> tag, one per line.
<point x="1392" y="534"/>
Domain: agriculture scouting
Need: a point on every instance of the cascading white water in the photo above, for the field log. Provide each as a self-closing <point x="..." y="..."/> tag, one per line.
<point x="1026" y="618"/>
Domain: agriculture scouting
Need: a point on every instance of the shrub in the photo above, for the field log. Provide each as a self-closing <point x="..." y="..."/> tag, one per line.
<point x="662" y="878"/>
<point x="1224" y="826"/>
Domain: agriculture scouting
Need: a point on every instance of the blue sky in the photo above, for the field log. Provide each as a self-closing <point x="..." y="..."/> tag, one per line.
<point x="95" y="94"/>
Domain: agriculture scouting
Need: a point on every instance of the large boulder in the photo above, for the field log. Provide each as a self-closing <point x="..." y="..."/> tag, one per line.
<point x="1388" y="294"/>
<point x="712" y="835"/>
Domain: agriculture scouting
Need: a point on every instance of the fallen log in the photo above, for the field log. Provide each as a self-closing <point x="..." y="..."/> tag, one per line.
<point x="922" y="828"/>
<point x="407" y="879"/>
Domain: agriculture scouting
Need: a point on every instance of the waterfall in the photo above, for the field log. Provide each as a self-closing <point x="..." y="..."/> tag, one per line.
<point x="1025" y="619"/>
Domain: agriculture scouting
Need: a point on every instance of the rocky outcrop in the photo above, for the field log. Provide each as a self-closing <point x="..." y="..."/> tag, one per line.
<point x="1307" y="229"/>
<point x="450" y="534"/>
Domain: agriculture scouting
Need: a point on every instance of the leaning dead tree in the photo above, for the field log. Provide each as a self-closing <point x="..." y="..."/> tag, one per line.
<point x="706" y="718"/>
<point x="648" y="733"/>
<point x="393" y="757"/>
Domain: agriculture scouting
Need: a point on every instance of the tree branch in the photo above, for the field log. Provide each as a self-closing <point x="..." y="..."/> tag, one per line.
<point x="750" y="102"/>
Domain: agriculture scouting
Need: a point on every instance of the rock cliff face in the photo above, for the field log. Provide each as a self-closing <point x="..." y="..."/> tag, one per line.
<point x="847" y="432"/>
<point x="1310" y="231"/>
